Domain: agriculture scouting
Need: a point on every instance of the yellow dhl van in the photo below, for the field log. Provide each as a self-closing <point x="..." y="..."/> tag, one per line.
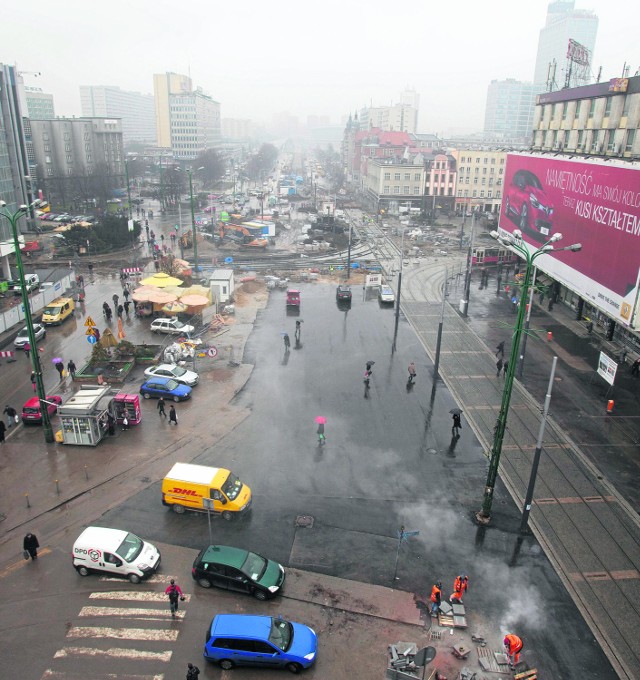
<point x="189" y="487"/>
<point x="57" y="311"/>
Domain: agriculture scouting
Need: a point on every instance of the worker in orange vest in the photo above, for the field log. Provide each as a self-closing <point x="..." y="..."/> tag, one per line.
<point x="460" y="586"/>
<point x="513" y="647"/>
<point x="436" y="597"/>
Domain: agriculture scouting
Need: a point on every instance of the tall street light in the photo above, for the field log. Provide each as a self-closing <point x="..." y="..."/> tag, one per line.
<point x="515" y="242"/>
<point x="193" y="221"/>
<point x="35" y="357"/>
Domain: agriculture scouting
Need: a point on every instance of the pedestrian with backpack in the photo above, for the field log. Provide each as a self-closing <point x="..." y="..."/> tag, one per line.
<point x="175" y="596"/>
<point x="192" y="672"/>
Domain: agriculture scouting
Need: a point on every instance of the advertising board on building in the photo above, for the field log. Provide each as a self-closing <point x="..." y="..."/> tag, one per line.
<point x="596" y="204"/>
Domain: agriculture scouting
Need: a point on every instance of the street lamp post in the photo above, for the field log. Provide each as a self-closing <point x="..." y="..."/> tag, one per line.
<point x="515" y="242"/>
<point x="467" y="278"/>
<point x="397" y="319"/>
<point x="35" y="357"/>
<point x="193" y="222"/>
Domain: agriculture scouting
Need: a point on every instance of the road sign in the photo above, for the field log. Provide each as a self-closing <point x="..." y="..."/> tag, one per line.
<point x="90" y="323"/>
<point x="212" y="352"/>
<point x="90" y="331"/>
<point x="91" y="339"/>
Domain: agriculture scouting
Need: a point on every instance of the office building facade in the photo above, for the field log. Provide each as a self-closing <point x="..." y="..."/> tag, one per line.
<point x="509" y="111"/>
<point x="136" y="111"/>
<point x="595" y="120"/>
<point x="39" y="104"/>
<point x="187" y="120"/>
<point x="14" y="166"/>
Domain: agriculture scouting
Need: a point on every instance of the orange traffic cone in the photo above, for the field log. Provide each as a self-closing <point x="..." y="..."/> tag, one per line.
<point x="610" y="404"/>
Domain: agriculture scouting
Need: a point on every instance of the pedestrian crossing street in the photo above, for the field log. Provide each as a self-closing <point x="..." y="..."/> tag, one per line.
<point x="132" y="629"/>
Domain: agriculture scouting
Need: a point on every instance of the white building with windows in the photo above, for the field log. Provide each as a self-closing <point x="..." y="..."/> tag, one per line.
<point x="187" y="119"/>
<point x="391" y="182"/>
<point x="135" y="110"/>
<point x="480" y="179"/>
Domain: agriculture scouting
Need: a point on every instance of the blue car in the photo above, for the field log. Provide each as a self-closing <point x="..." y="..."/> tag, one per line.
<point x="261" y="641"/>
<point x="165" y="387"/>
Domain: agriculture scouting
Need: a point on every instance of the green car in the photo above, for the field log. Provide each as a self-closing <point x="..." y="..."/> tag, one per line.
<point x="221" y="566"/>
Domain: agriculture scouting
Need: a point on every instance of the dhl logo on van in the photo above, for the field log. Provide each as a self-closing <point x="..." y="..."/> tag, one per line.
<point x="184" y="492"/>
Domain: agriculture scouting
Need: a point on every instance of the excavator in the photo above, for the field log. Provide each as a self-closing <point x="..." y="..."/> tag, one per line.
<point x="243" y="236"/>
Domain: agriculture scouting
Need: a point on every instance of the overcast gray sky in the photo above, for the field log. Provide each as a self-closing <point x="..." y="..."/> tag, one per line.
<point x="329" y="57"/>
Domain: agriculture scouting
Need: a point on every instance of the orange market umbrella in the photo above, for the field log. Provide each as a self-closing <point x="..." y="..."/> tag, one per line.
<point x="142" y="293"/>
<point x="175" y="307"/>
<point x="194" y="300"/>
<point x="161" y="280"/>
<point x="161" y="297"/>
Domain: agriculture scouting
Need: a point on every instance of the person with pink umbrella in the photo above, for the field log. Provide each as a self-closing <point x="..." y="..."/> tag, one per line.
<point x="321" y="420"/>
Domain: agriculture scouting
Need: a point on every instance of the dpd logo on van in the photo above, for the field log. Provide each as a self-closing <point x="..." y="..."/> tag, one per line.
<point x="94" y="554"/>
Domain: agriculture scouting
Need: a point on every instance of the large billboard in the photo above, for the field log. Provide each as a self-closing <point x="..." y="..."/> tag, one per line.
<point x="593" y="203"/>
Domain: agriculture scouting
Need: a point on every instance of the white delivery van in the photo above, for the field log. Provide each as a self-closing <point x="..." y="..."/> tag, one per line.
<point x="116" y="552"/>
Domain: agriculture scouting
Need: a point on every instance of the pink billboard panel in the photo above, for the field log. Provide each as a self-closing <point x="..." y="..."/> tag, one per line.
<point x="594" y="203"/>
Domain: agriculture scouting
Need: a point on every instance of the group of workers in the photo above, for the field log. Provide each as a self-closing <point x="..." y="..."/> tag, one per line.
<point x="512" y="643"/>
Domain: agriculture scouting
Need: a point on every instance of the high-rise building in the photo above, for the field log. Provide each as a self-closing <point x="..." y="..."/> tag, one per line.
<point x="187" y="120"/>
<point x="137" y="111"/>
<point x="509" y="110"/>
<point x="39" y="104"/>
<point x="564" y="22"/>
<point x="14" y="167"/>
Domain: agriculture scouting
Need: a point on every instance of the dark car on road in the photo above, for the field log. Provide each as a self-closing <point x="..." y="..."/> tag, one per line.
<point x="527" y="204"/>
<point x="343" y="294"/>
<point x="222" y="566"/>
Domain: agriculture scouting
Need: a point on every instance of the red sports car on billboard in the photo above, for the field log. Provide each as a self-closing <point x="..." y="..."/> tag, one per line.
<point x="528" y="206"/>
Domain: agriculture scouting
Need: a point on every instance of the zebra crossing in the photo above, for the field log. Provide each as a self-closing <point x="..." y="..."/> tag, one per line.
<point x="134" y="627"/>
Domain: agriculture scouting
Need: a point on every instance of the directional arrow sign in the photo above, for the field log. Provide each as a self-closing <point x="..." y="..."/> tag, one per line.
<point x="91" y="339"/>
<point x="90" y="323"/>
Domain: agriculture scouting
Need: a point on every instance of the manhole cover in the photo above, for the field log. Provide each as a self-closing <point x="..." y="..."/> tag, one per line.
<point x="305" y="521"/>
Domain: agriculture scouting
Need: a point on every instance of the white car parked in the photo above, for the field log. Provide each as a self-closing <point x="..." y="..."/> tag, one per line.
<point x="179" y="374"/>
<point x="171" y="326"/>
<point x="385" y="294"/>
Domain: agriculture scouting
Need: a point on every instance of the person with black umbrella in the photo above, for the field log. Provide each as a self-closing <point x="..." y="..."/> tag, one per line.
<point x="457" y="423"/>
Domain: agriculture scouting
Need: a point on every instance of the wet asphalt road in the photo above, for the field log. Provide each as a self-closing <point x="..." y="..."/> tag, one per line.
<point x="390" y="461"/>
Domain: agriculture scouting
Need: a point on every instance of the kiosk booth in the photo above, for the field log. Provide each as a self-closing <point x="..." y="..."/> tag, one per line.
<point x="129" y="404"/>
<point x="85" y="417"/>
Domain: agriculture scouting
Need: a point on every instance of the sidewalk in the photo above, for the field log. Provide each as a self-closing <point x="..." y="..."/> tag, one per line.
<point x="589" y="531"/>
